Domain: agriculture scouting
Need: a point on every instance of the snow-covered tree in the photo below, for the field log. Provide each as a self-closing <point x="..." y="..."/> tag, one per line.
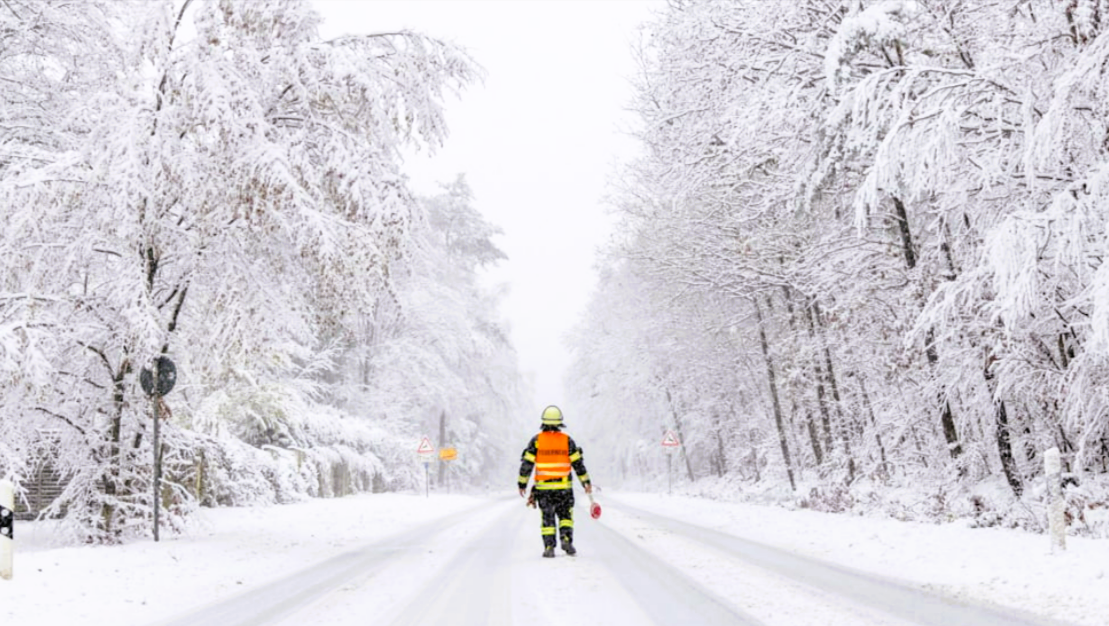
<point x="447" y="357"/>
<point x="207" y="180"/>
<point x="902" y="201"/>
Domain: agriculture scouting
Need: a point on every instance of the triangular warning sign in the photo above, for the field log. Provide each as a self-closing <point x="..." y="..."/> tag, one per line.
<point x="425" y="447"/>
<point x="670" y="439"/>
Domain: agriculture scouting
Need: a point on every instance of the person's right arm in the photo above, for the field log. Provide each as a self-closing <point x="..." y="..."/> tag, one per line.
<point x="527" y="462"/>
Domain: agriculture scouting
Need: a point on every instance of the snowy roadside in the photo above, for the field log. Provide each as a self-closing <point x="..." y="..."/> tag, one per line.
<point x="989" y="565"/>
<point x="230" y="550"/>
<point x="224" y="552"/>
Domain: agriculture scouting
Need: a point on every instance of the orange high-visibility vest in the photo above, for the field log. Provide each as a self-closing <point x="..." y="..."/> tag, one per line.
<point x="552" y="457"/>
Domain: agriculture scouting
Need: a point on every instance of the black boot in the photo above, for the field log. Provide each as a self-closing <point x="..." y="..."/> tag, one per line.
<point x="569" y="548"/>
<point x="548" y="552"/>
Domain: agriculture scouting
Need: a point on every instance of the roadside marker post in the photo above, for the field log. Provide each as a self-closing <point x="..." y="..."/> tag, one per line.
<point x="1056" y="507"/>
<point x="7" y="527"/>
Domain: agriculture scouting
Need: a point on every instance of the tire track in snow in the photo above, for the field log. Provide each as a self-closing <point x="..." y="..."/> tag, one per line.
<point x="500" y="578"/>
<point x="899" y="600"/>
<point x="668" y="595"/>
<point x="269" y="603"/>
<point x="473" y="587"/>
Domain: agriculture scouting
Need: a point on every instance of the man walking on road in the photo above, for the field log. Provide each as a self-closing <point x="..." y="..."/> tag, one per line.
<point x="553" y="454"/>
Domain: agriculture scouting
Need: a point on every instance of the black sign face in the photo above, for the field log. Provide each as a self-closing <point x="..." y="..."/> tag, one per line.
<point x="167" y="377"/>
<point x="7" y="522"/>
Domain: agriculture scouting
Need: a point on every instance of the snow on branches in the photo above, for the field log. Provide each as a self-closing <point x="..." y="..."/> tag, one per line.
<point x="213" y="182"/>
<point x="899" y="210"/>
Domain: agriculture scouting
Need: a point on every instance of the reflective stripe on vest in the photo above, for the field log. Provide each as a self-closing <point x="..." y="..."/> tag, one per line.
<point x="552" y="457"/>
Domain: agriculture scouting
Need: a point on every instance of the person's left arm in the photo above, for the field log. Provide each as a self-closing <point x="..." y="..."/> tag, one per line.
<point x="578" y="463"/>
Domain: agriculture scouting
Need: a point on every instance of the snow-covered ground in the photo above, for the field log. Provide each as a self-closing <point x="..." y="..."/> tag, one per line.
<point x="228" y="551"/>
<point x="225" y="552"/>
<point x="1004" y="567"/>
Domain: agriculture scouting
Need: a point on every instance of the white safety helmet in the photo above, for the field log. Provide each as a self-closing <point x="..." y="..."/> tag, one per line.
<point x="552" y="416"/>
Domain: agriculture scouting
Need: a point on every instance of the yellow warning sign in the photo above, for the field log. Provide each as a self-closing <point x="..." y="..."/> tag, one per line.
<point x="448" y="454"/>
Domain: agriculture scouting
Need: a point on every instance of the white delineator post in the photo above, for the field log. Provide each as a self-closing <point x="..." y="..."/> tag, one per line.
<point x="7" y="527"/>
<point x="1057" y="525"/>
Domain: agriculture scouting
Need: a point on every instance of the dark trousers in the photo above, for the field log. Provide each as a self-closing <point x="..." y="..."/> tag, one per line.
<point x="557" y="507"/>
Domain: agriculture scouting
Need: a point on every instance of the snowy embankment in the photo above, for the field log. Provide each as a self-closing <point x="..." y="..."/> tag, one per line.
<point x="230" y="550"/>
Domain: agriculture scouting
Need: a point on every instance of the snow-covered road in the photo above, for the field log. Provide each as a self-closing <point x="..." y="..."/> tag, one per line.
<point x="482" y="566"/>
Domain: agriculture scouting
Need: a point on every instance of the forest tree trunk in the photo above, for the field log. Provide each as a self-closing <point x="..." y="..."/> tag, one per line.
<point x="681" y="435"/>
<point x="810" y="425"/>
<point x="825" y="416"/>
<point x="774" y="395"/>
<point x="884" y="468"/>
<point x="947" y="417"/>
<point x="845" y="433"/>
<point x="113" y="473"/>
<point x="795" y="389"/>
<point x="1002" y="432"/>
<point x="1005" y="450"/>
<point x="721" y="450"/>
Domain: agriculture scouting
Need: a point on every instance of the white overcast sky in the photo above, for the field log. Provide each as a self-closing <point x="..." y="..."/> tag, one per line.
<point x="537" y="142"/>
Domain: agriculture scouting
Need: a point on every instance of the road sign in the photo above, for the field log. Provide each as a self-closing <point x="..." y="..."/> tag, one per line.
<point x="425" y="447"/>
<point x="167" y="377"/>
<point x="448" y="454"/>
<point x="670" y="440"/>
<point x="157" y="383"/>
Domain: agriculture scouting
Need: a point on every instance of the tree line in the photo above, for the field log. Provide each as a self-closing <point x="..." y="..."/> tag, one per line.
<point x="862" y="246"/>
<point x="213" y="182"/>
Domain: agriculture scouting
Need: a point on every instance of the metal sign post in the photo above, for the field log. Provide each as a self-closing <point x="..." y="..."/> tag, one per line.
<point x="448" y="454"/>
<point x="670" y="443"/>
<point x="156" y="384"/>
<point x="424" y="452"/>
<point x="669" y="474"/>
